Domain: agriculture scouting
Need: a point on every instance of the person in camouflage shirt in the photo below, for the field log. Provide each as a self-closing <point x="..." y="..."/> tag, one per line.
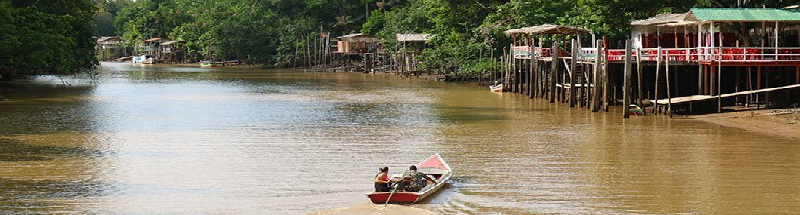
<point x="414" y="181"/>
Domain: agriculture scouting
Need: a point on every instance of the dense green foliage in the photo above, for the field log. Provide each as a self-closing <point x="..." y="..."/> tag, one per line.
<point x="274" y="32"/>
<point x="54" y="36"/>
<point x="269" y="32"/>
<point x="45" y="37"/>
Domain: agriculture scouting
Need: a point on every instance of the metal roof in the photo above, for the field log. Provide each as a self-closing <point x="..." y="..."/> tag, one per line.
<point x="745" y="14"/>
<point x="171" y="42"/>
<point x="351" y="35"/>
<point x="413" y="37"/>
<point x="109" y="39"/>
<point x="358" y="38"/>
<point x="152" y="39"/>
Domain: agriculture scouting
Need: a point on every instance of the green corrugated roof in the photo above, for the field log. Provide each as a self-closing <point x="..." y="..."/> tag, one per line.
<point x="746" y="14"/>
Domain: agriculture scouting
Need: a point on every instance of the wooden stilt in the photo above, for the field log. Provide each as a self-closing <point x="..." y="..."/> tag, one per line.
<point x="766" y="94"/>
<point x="706" y="72"/>
<point x="572" y="75"/>
<point x="606" y="81"/>
<point x="554" y="72"/>
<point x="596" y="80"/>
<point x="719" y="87"/>
<point x="676" y="78"/>
<point x="626" y="82"/>
<point x="639" y="77"/>
<point x="531" y="69"/>
<point x="758" y="86"/>
<point x="699" y="79"/>
<point x="669" y="96"/>
<point x="658" y="73"/>
<point x="584" y="94"/>
<point x="749" y="87"/>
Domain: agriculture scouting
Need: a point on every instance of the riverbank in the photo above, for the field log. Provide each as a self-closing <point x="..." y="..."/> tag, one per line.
<point x="773" y="122"/>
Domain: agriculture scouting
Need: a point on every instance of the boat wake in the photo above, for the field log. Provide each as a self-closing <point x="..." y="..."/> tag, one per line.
<point x="373" y="209"/>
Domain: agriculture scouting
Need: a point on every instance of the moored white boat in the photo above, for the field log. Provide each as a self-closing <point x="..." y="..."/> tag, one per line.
<point x="496" y="88"/>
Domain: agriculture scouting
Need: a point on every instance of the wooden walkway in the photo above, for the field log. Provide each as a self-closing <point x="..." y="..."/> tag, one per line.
<point x="694" y="98"/>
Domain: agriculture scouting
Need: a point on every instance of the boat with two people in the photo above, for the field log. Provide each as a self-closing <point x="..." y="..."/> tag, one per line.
<point x="434" y="168"/>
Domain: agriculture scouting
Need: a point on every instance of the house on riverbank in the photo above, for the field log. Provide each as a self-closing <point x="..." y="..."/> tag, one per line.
<point x="173" y="51"/>
<point x="412" y="46"/>
<point x="358" y="51"/>
<point x="683" y="62"/>
<point x="110" y="48"/>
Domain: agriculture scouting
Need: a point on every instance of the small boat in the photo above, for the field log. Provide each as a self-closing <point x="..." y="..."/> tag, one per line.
<point x="144" y="59"/>
<point x="434" y="166"/>
<point x="206" y="63"/>
<point x="635" y="110"/>
<point x="498" y="88"/>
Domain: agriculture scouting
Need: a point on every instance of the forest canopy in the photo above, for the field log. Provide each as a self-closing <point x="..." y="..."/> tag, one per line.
<point x="272" y="32"/>
<point x="45" y="37"/>
<point x="55" y="36"/>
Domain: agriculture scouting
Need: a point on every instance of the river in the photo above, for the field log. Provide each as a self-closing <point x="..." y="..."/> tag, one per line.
<point x="180" y="140"/>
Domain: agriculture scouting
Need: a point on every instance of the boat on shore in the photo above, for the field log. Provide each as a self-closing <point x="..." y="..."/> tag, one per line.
<point x="207" y="63"/>
<point x="144" y="59"/>
<point x="434" y="166"/>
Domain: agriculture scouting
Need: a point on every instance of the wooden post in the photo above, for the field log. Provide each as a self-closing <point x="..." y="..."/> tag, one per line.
<point x="669" y="96"/>
<point x="758" y="85"/>
<point x="509" y="60"/>
<point x="596" y="94"/>
<point x="719" y="88"/>
<point x="584" y="94"/>
<point x="677" y="83"/>
<point x="542" y="73"/>
<point x="572" y="74"/>
<point x="766" y="94"/>
<point x="749" y="87"/>
<point x="658" y="73"/>
<point x="639" y="76"/>
<point x="606" y="79"/>
<point x="719" y="78"/>
<point x="626" y="85"/>
<point x="531" y="71"/>
<point x="699" y="78"/>
<point x="554" y="72"/>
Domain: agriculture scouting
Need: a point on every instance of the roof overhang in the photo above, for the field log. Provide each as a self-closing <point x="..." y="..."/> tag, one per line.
<point x="547" y="29"/>
<point x="357" y="38"/>
<point x="744" y="15"/>
<point x="413" y="37"/>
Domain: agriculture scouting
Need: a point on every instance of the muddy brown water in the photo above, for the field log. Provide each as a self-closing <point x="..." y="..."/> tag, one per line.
<point x="172" y="140"/>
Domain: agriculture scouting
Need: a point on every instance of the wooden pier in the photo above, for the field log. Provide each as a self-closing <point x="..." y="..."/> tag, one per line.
<point x="703" y="63"/>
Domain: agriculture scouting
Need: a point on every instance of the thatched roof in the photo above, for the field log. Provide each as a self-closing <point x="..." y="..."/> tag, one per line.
<point x="413" y="37"/>
<point x="547" y="29"/>
<point x="359" y="37"/>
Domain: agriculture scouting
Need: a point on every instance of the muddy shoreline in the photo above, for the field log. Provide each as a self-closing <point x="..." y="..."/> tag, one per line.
<point x="773" y="122"/>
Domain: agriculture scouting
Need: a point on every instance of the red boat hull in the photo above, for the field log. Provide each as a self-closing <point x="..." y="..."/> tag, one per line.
<point x="397" y="198"/>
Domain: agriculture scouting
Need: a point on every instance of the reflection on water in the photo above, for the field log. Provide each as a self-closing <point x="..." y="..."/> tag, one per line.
<point x="158" y="139"/>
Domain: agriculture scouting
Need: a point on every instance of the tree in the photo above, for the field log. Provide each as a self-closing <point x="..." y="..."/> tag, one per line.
<point x="45" y="37"/>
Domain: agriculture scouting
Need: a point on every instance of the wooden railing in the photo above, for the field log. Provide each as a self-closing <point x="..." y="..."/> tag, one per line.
<point x="521" y="51"/>
<point x="725" y="54"/>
